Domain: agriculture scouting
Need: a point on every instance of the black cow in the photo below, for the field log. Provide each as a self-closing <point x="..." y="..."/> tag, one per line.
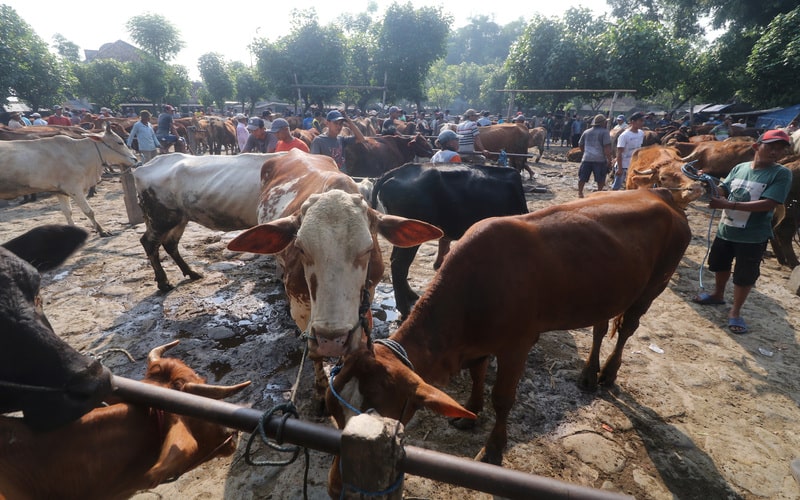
<point x="40" y="375"/>
<point x="449" y="196"/>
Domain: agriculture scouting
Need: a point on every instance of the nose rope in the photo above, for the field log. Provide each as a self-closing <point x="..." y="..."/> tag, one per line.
<point x="711" y="182"/>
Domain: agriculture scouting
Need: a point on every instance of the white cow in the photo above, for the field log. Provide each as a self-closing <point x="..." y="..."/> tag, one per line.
<point x="324" y="236"/>
<point x="65" y="166"/>
<point x="796" y="141"/>
<point x="218" y="192"/>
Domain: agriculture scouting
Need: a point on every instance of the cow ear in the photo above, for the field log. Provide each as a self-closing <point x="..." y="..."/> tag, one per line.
<point x="46" y="247"/>
<point x="268" y="238"/>
<point x="436" y="400"/>
<point x="404" y="232"/>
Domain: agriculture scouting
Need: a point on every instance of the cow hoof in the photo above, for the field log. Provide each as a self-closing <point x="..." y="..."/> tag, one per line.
<point x="165" y="287"/>
<point x="489" y="457"/>
<point x="463" y="424"/>
<point x="194" y="276"/>
<point x="105" y="234"/>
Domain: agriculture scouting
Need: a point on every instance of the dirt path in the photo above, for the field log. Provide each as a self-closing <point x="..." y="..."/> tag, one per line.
<point x="699" y="413"/>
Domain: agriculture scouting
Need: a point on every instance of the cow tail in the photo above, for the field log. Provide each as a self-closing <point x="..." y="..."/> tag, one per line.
<point x="376" y="190"/>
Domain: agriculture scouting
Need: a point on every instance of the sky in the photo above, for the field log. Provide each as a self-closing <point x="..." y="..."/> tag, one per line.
<point x="205" y="30"/>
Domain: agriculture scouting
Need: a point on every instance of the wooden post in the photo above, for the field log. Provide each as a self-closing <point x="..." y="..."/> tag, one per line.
<point x="135" y="215"/>
<point x="371" y="448"/>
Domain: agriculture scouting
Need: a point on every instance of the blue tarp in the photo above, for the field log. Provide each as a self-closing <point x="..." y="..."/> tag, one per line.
<point x="779" y="118"/>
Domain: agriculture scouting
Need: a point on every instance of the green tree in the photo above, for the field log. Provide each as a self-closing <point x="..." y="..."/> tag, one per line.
<point x="774" y="63"/>
<point x="311" y="55"/>
<point x="28" y="69"/>
<point x="104" y="82"/>
<point x="216" y="78"/>
<point x="422" y="34"/>
<point x="249" y="88"/>
<point x="155" y="35"/>
<point x="443" y="85"/>
<point x="482" y="41"/>
<point x="68" y="51"/>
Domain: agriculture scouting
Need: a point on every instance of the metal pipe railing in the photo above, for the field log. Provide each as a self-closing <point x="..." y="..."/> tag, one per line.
<point x="417" y="461"/>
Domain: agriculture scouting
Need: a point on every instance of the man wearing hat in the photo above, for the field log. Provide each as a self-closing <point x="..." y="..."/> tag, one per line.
<point x="166" y="132"/>
<point x="749" y="195"/>
<point x="389" y="126"/>
<point x="257" y="140"/>
<point x="38" y="120"/>
<point x="448" y="144"/>
<point x="595" y="143"/>
<point x="620" y="124"/>
<point x="628" y="141"/>
<point x="58" y="118"/>
<point x="15" y="120"/>
<point x="331" y="143"/>
<point x="241" y="130"/>
<point x="286" y="141"/>
<point x="469" y="143"/>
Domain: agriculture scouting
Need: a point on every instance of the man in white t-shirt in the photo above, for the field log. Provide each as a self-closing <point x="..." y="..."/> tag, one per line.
<point x="628" y="141"/>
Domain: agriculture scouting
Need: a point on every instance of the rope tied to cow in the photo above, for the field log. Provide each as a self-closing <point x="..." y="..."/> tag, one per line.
<point x="711" y="182"/>
<point x="288" y="411"/>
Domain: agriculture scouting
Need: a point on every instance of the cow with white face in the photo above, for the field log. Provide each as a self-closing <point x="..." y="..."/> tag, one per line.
<point x="65" y="166"/>
<point x="324" y="236"/>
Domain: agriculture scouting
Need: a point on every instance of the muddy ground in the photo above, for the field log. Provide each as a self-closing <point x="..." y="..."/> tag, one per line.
<point x="699" y="413"/>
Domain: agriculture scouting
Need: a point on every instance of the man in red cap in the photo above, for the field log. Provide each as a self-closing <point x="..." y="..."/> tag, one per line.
<point x="752" y="191"/>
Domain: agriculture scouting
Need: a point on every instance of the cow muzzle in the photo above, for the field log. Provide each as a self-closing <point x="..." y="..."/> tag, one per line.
<point x="332" y="343"/>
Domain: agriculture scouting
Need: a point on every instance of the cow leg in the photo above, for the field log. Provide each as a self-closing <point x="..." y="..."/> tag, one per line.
<point x="541" y="152"/>
<point x="320" y="386"/>
<point x="170" y="244"/>
<point x="151" y="243"/>
<point x="626" y="324"/>
<point x="477" y="371"/>
<point x="528" y="169"/>
<point x="782" y="242"/>
<point x="510" y="366"/>
<point x="405" y="297"/>
<point x="66" y="208"/>
<point x="588" y="377"/>
<point x="80" y="200"/>
<point x="444" y="249"/>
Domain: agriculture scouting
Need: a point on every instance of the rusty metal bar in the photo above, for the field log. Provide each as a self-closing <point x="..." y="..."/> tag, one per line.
<point x="418" y="461"/>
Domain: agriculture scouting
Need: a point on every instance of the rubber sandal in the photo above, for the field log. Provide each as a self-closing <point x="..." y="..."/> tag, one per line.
<point x="705" y="299"/>
<point x="737" y="325"/>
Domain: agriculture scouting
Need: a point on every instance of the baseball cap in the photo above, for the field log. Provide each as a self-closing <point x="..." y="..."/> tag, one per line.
<point x="278" y="124"/>
<point x="636" y="116"/>
<point x="621" y="117"/>
<point x="446" y="135"/>
<point x="334" y="115"/>
<point x="470" y="112"/>
<point x="774" y="136"/>
<point x="240" y="116"/>
<point x="599" y="119"/>
<point x="255" y="124"/>
<point x="56" y="107"/>
<point x="36" y="115"/>
<point x="519" y="118"/>
<point x="394" y="109"/>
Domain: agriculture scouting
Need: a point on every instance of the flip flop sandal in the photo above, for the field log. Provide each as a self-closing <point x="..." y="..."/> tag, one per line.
<point x="737" y="325"/>
<point x="706" y="299"/>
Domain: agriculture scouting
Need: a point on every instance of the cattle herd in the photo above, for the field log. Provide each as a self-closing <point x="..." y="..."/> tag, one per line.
<point x="512" y="276"/>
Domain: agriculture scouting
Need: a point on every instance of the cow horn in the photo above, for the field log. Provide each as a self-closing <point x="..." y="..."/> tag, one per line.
<point x="214" y="391"/>
<point x="157" y="352"/>
<point x="644" y="172"/>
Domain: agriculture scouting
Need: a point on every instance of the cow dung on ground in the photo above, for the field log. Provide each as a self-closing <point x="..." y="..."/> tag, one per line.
<point x="698" y="413"/>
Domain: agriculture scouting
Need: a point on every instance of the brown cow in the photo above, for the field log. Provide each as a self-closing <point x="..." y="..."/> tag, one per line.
<point x="306" y="136"/>
<point x="717" y="158"/>
<point x="221" y="132"/>
<point x="116" y="450"/>
<point x="512" y="138"/>
<point x="786" y="229"/>
<point x="660" y="166"/>
<point x="41" y="131"/>
<point x="538" y="135"/>
<point x="478" y="305"/>
<point x="324" y="236"/>
<point x="377" y="155"/>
